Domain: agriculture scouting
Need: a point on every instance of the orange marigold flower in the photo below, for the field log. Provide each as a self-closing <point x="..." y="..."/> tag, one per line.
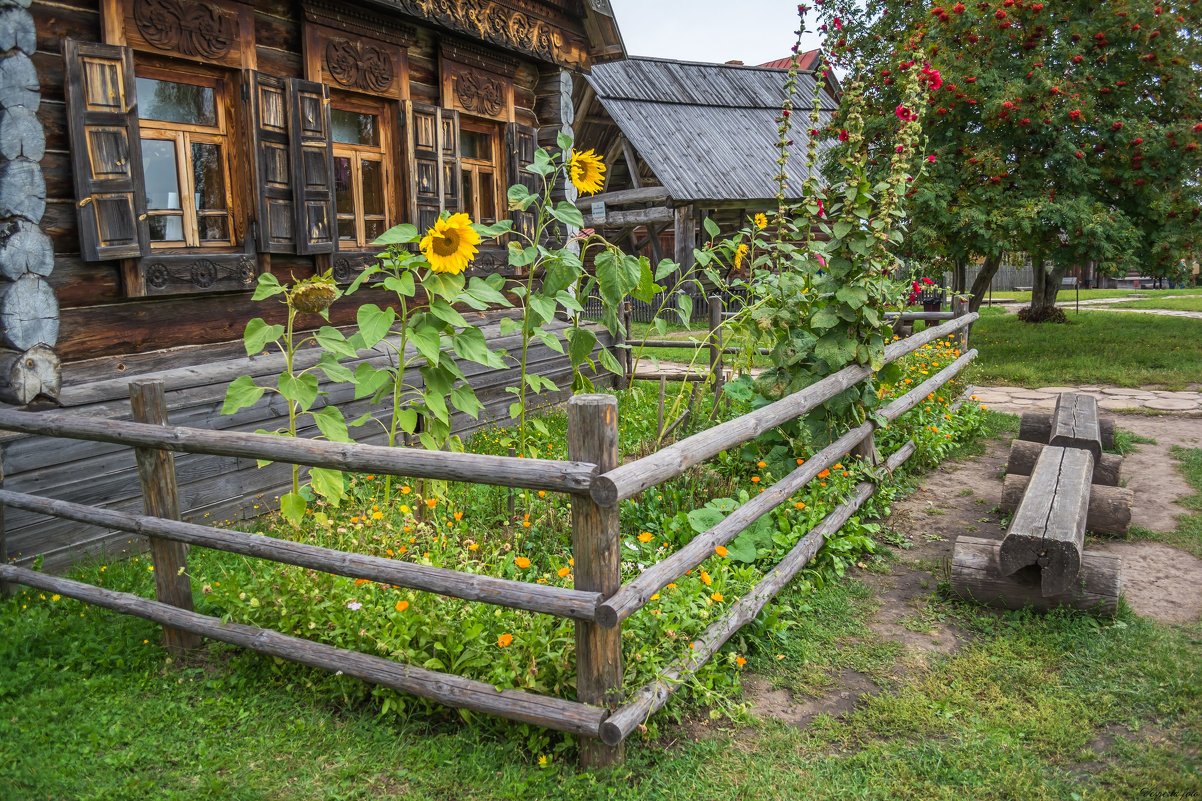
<point x="824" y="474"/>
<point x="755" y="479"/>
<point x="761" y="465"/>
<point x="405" y="490"/>
<point x="475" y="546"/>
<point x="740" y="661"/>
<point x="799" y="505"/>
<point x="801" y="461"/>
<point x="505" y="640"/>
<point x="717" y="596"/>
<point x="646" y="536"/>
<point x="525" y="524"/>
<point x="705" y="578"/>
<point x="838" y="465"/>
<point x="458" y="516"/>
<point x="542" y="493"/>
<point x="401" y="606"/>
<point x="360" y="582"/>
<point x="564" y="572"/>
<point x="431" y="502"/>
<point x="721" y="550"/>
<point x="522" y="562"/>
<point x="370" y="478"/>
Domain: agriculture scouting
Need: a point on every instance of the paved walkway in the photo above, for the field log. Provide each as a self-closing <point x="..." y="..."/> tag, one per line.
<point x="1113" y="399"/>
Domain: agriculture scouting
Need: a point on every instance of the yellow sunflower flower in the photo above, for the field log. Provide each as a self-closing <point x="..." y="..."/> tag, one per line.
<point x="587" y="171"/>
<point x="740" y="253"/>
<point x="451" y="244"/>
<point x="761" y="221"/>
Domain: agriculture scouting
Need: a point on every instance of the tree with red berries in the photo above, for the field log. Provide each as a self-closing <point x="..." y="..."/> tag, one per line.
<point x="1070" y="130"/>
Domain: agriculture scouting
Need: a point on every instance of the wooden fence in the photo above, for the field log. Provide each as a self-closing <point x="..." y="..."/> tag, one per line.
<point x="593" y="477"/>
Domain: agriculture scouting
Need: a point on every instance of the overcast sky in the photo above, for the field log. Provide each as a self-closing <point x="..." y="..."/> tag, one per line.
<point x="751" y="31"/>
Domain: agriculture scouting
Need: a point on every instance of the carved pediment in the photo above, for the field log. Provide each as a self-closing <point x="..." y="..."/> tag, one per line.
<point x="218" y="32"/>
<point x="355" y="63"/>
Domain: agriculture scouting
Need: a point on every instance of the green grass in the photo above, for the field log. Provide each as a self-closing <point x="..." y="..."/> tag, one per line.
<point x="1193" y="304"/>
<point x="1068" y="295"/>
<point x="1126" y="350"/>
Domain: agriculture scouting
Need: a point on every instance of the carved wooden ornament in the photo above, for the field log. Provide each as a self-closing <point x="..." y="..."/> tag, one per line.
<point x="355" y="63"/>
<point x="476" y="92"/>
<point x="218" y="32"/>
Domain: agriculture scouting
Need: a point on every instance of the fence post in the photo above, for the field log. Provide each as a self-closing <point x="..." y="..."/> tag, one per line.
<point x="596" y="548"/>
<point x="715" y="304"/>
<point x="156" y="469"/>
<point x="959" y="309"/>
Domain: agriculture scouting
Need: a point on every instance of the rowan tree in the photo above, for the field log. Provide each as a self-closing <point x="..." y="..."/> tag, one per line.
<point x="1070" y="130"/>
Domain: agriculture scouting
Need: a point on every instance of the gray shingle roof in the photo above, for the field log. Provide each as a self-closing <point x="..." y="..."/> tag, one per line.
<point x="707" y="131"/>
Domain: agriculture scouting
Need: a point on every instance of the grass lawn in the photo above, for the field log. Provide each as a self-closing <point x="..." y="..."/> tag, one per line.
<point x="1126" y="350"/>
<point x="1068" y="295"/>
<point x="1193" y="303"/>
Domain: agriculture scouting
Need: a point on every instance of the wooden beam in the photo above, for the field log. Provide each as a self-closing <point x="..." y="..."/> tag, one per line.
<point x="629" y="219"/>
<point x="685" y="232"/>
<point x="625" y="197"/>
<point x="632" y="163"/>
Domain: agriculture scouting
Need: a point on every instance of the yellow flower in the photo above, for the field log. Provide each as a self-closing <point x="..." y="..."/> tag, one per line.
<point x="377" y="515"/>
<point x="542" y="760"/>
<point x="646" y="536"/>
<point x="451" y="244"/>
<point x="717" y="596"/>
<point x="705" y="578"/>
<point x="740" y="252"/>
<point x="721" y="550"/>
<point x="405" y="490"/>
<point x="56" y="597"/>
<point x="522" y="562"/>
<point x="405" y="509"/>
<point x="401" y="606"/>
<point x="655" y="597"/>
<point x="564" y="572"/>
<point x="587" y="171"/>
<point x="505" y="640"/>
<point x="475" y="546"/>
<point x="761" y="221"/>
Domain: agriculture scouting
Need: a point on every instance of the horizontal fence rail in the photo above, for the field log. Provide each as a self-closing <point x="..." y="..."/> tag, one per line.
<point x="634" y="477"/>
<point x="456" y="691"/>
<point x="468" y="586"/>
<point x="547" y="474"/>
<point x="593" y="477"/>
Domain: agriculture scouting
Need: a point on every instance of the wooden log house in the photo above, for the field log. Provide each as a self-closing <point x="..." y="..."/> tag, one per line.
<point x="157" y="156"/>
<point x="686" y="141"/>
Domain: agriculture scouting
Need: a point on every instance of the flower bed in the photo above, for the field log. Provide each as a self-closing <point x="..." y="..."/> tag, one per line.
<point x="470" y="528"/>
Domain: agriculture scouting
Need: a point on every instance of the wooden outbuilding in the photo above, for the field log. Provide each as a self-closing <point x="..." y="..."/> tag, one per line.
<point x="157" y="156"/>
<point x="685" y="141"/>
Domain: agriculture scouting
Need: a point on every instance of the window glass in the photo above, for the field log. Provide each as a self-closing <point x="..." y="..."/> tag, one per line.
<point x="354" y="128"/>
<point x="488" y="197"/>
<point x="208" y="175"/>
<point x="373" y="187"/>
<point x="475" y="145"/>
<point x="166" y="228"/>
<point x="373" y="229"/>
<point x="214" y="228"/>
<point x="160" y="174"/>
<point x="344" y="190"/>
<point x="170" y="101"/>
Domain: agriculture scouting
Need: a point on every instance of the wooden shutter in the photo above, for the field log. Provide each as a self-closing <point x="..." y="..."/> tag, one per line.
<point x="106" y="155"/>
<point x="520" y="143"/>
<point x="272" y="164"/>
<point x="423" y="126"/>
<point x="312" y="167"/>
<point x="452" y="181"/>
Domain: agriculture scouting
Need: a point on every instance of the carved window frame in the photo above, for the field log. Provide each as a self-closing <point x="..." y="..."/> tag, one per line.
<point x="472" y="168"/>
<point x="384" y="152"/>
<point x="219" y="33"/>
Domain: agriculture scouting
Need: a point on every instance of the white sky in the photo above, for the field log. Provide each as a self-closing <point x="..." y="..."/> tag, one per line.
<point x="751" y="31"/>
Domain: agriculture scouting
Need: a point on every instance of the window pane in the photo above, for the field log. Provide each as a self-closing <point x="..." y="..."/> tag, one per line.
<point x="214" y="228"/>
<point x="353" y="128"/>
<point x="373" y="187"/>
<point x="209" y="176"/>
<point x="475" y="145"/>
<point x="166" y="228"/>
<point x="176" y="102"/>
<point x="344" y="189"/>
<point x="488" y="197"/>
<point x="374" y="229"/>
<point x="161" y="178"/>
<point x="346" y="230"/>
<point x="469" y="204"/>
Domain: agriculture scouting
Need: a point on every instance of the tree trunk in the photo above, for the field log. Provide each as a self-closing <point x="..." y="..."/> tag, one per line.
<point x="960" y="276"/>
<point x="1045" y="285"/>
<point x="980" y="284"/>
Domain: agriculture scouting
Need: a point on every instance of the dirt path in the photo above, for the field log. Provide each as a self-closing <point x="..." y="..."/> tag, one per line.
<point x="962" y="498"/>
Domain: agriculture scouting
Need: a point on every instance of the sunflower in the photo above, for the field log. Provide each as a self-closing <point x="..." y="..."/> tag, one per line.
<point x="740" y="252"/>
<point x="761" y="221"/>
<point x="451" y="244"/>
<point x="587" y="171"/>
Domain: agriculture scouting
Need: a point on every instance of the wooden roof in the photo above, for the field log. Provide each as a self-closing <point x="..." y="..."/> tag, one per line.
<point x="707" y="131"/>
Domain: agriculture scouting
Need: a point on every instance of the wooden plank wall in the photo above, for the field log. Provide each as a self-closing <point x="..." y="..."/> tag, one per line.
<point x="210" y="488"/>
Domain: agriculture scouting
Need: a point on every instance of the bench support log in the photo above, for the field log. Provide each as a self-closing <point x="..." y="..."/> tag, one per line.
<point x="1023" y="456"/>
<point x="1048" y="529"/>
<point x="1109" y="507"/>
<point x="975" y="577"/>
<point x="1075" y="423"/>
<point x="1037" y="427"/>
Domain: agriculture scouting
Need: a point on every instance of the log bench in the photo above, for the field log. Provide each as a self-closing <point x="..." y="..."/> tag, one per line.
<point x="1048" y="529"/>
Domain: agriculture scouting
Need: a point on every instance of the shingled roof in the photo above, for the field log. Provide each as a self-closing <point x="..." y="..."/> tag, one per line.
<point x="707" y="131"/>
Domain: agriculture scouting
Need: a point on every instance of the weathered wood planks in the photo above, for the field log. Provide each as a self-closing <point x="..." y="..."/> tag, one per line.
<point x="1024" y="454"/>
<point x="1075" y="424"/>
<point x="975" y="577"/>
<point x="1109" y="509"/>
<point x="1048" y="529"/>
<point x="1037" y="427"/>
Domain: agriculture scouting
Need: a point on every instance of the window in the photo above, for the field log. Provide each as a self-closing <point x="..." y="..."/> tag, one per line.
<point x="362" y="174"/>
<point x="185" y="159"/>
<point x="480" y="163"/>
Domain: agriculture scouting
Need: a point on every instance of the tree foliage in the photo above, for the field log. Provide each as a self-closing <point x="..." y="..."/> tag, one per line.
<point x="1067" y="129"/>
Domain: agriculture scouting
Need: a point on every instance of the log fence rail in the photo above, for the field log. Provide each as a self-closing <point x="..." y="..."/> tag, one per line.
<point x="593" y="477"/>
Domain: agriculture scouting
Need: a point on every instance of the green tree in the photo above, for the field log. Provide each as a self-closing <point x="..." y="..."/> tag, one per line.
<point x="1070" y="130"/>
